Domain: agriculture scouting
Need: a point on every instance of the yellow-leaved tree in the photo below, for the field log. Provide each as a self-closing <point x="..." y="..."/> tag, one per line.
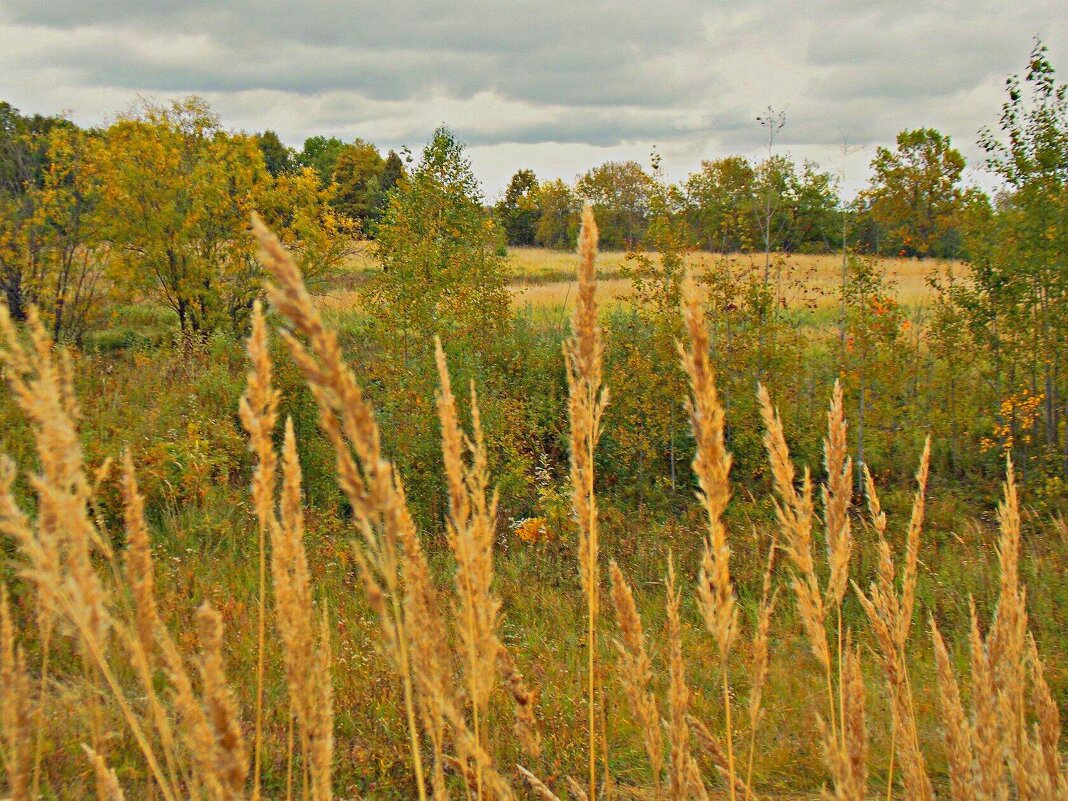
<point x="51" y="254"/>
<point x="301" y="210"/>
<point x="177" y="193"/>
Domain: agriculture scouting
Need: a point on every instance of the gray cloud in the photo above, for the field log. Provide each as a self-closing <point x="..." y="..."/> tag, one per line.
<point x="605" y="79"/>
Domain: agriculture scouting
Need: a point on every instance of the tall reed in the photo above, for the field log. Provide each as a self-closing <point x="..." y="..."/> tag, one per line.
<point x="711" y="465"/>
<point x="94" y="592"/>
<point x="587" y="400"/>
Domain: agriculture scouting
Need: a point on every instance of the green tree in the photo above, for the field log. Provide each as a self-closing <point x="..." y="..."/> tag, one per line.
<point x="558" y="221"/>
<point x="915" y="195"/>
<point x="393" y="172"/>
<point x="519" y="210"/>
<point x="24" y="165"/>
<point x="357" y="177"/>
<point x="278" y="158"/>
<point x="51" y="253"/>
<point x="720" y="196"/>
<point x="619" y="192"/>
<point x="875" y="361"/>
<point x="1014" y="302"/>
<point x="648" y="407"/>
<point x="177" y="195"/>
<point x="321" y="153"/>
<point x="440" y="270"/>
<point x="816" y="218"/>
<point x="301" y="212"/>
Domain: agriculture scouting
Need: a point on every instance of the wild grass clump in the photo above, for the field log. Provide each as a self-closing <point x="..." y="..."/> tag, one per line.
<point x="163" y="718"/>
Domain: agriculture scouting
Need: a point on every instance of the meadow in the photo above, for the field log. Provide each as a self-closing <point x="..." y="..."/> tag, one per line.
<point x="318" y="481"/>
<point x="735" y="636"/>
<point x="544" y="279"/>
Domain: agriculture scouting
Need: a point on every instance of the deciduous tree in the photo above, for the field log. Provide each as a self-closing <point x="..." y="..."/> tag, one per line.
<point x="177" y="195"/>
<point x="558" y="222"/>
<point x="440" y="272"/>
<point x="619" y="192"/>
<point x="519" y="210"/>
<point x="915" y="194"/>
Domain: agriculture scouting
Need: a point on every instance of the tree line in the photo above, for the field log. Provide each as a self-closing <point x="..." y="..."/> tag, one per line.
<point x="157" y="204"/>
<point x="982" y="366"/>
<point x="156" y="207"/>
<point x="916" y="204"/>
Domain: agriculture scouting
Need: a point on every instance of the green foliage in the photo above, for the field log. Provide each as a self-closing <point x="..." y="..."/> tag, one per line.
<point x="1012" y="307"/>
<point x="277" y="158"/>
<point x="720" y="197"/>
<point x="52" y="254"/>
<point x="619" y="192"/>
<point x="558" y="222"/>
<point x="440" y="271"/>
<point x="357" y="178"/>
<point x="321" y="154"/>
<point x="178" y="192"/>
<point x="734" y="206"/>
<point x="754" y="339"/>
<point x="916" y="197"/>
<point x="879" y="368"/>
<point x="393" y="172"/>
<point x="519" y="210"/>
<point x="49" y="242"/>
<point x="647" y="416"/>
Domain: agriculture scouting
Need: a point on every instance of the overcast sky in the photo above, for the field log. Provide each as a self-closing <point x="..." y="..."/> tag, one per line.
<point x="555" y="85"/>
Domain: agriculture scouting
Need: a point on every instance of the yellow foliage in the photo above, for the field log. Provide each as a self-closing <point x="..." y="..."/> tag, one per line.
<point x="532" y="530"/>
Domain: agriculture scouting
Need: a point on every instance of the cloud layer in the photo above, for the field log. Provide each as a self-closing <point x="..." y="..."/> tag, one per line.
<point x="552" y="84"/>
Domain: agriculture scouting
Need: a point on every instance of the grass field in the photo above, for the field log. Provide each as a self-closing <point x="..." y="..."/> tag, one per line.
<point x="541" y="278"/>
<point x="194" y="470"/>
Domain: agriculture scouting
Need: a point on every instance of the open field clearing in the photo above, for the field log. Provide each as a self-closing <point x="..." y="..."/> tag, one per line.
<point x="812" y="279"/>
<point x="330" y="474"/>
<point x="542" y="278"/>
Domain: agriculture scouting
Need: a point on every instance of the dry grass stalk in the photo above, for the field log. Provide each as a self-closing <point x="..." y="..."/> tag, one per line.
<point x="711" y="465"/>
<point x="537" y="786"/>
<point x="717" y="755"/>
<point x="389" y="552"/>
<point x="15" y="712"/>
<point x="138" y="558"/>
<point x="684" y="775"/>
<point x="393" y="565"/>
<point x="1047" y="726"/>
<point x="837" y="494"/>
<point x="577" y="790"/>
<point x="587" y="400"/>
<point x="989" y="737"/>
<point x="636" y="673"/>
<point x="65" y="534"/>
<point x="258" y="409"/>
<point x="470" y="529"/>
<point x="306" y="656"/>
<point x="1007" y="640"/>
<point x="147" y="625"/>
<point x="794" y="511"/>
<point x="994" y="755"/>
<point x="890" y="617"/>
<point x="59" y="544"/>
<point x="912" y="547"/>
<point x="230" y="753"/>
<point x="847" y="755"/>
<point x="761" y="653"/>
<point x="957" y="730"/>
<point x="107" y="783"/>
<point x="524" y="699"/>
